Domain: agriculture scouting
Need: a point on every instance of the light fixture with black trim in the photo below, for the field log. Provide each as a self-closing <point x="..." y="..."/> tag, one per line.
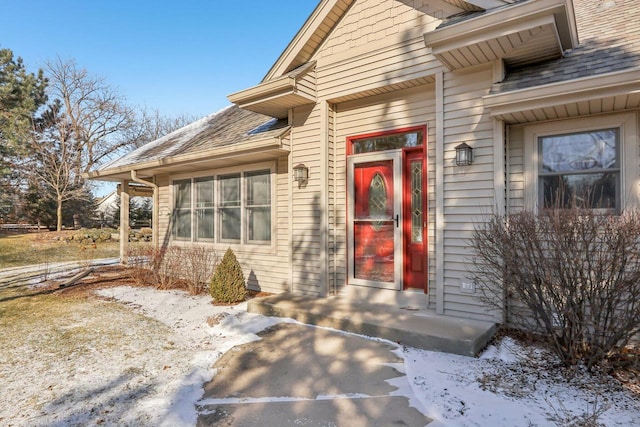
<point x="464" y="154"/>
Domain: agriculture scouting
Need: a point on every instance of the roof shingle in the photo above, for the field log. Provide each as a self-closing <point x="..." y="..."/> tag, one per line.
<point x="609" y="32"/>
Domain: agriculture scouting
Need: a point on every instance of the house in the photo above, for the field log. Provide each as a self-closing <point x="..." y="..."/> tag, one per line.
<point x="388" y="128"/>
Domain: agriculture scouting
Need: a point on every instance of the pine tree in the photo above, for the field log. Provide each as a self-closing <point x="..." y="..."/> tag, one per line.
<point x="21" y="94"/>
<point x="227" y="284"/>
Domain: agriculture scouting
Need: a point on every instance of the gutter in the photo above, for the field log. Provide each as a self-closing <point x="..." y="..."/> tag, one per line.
<point x="155" y="223"/>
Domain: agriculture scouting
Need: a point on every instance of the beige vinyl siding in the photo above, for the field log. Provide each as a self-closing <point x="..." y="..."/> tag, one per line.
<point x="265" y="267"/>
<point x="371" y="21"/>
<point x="408" y="108"/>
<point x="469" y="193"/>
<point x="307" y="204"/>
<point x="307" y="85"/>
<point x="164" y="200"/>
<point x="378" y="44"/>
<point x="515" y="169"/>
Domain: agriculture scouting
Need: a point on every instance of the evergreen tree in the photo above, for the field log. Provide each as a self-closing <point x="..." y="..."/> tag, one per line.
<point x="21" y="95"/>
<point x="227" y="284"/>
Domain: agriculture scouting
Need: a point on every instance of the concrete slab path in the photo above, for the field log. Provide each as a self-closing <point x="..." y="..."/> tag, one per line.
<point x="299" y="375"/>
<point x="415" y="328"/>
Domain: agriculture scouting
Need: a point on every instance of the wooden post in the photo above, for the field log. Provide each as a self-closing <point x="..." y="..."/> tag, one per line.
<point x="124" y="221"/>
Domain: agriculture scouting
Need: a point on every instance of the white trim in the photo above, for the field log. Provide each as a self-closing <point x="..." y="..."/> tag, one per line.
<point x="628" y="124"/>
<point x="499" y="177"/>
<point x="324" y="198"/>
<point x="439" y="196"/>
<point x="565" y="92"/>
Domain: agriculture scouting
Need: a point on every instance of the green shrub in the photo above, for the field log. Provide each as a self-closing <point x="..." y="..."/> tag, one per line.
<point x="227" y="284"/>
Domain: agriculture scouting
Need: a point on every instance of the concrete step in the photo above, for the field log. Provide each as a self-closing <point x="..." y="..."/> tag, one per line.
<point x="415" y="328"/>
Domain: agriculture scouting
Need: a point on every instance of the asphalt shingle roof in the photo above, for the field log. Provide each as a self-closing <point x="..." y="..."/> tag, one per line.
<point x="228" y="126"/>
<point x="609" y="32"/>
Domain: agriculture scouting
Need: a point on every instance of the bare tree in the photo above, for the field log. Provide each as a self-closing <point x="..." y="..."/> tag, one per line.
<point x="93" y="113"/>
<point x="151" y="125"/>
<point x="53" y="157"/>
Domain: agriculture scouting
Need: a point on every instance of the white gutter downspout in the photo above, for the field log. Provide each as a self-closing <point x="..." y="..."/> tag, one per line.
<point x="155" y="223"/>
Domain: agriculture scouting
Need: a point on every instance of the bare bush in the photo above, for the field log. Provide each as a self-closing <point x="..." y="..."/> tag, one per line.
<point x="200" y="264"/>
<point x="161" y="267"/>
<point x="563" y="417"/>
<point x="140" y="265"/>
<point x="167" y="268"/>
<point x="571" y="274"/>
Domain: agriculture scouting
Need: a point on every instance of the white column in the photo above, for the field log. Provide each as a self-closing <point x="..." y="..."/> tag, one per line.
<point x="124" y="220"/>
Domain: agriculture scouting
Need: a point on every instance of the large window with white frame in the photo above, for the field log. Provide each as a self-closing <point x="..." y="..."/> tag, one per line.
<point x="225" y="208"/>
<point x="589" y="162"/>
<point x="580" y="170"/>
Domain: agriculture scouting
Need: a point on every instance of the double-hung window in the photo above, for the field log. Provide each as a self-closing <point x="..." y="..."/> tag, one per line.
<point x="226" y="208"/>
<point x="589" y="163"/>
<point x="580" y="170"/>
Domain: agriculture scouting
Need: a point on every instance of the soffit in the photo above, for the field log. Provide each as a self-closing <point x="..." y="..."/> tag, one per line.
<point x="520" y="34"/>
<point x="604" y="93"/>
<point x="274" y="98"/>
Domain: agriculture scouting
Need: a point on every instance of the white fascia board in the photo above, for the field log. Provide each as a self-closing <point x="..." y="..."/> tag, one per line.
<point x="491" y="21"/>
<point x="610" y="84"/>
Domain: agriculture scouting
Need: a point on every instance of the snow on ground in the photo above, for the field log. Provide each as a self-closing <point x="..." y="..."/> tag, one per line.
<point x="154" y="375"/>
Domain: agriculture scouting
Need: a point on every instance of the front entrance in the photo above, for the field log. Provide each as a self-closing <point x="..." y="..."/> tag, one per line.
<point x="386" y="211"/>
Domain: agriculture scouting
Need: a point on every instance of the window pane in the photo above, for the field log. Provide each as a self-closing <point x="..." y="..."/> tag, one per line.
<point x="258" y="188"/>
<point x="259" y="205"/>
<point x="229" y="212"/>
<point x="230" y="190"/>
<point x="387" y="142"/>
<point x="416" y="202"/>
<point x="595" y="191"/>
<point x="182" y="209"/>
<point x="580" y="170"/>
<point x="229" y="223"/>
<point x="182" y="224"/>
<point x="580" y="151"/>
<point x="204" y="192"/>
<point x="204" y="224"/>
<point x="259" y="223"/>
<point x="182" y="193"/>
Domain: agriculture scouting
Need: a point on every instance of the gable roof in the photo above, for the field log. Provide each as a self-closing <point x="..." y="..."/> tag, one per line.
<point x="600" y="75"/>
<point x="324" y="19"/>
<point x="221" y="133"/>
<point x="609" y="42"/>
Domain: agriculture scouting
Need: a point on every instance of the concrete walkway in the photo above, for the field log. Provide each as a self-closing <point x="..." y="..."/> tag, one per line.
<point x="299" y="375"/>
<point x="416" y="328"/>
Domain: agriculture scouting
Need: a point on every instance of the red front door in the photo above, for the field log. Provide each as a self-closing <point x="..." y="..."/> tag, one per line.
<point x="413" y="220"/>
<point x="386" y="219"/>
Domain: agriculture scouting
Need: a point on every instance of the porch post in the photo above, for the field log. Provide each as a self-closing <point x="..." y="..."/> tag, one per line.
<point x="124" y="221"/>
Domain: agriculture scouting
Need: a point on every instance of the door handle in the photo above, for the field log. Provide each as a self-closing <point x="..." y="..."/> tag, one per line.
<point x="397" y="220"/>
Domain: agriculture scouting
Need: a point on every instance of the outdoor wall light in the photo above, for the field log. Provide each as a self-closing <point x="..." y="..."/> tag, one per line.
<point x="464" y="155"/>
<point x="300" y="174"/>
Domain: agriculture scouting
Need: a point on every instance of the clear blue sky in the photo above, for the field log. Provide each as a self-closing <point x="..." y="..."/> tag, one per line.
<point x="175" y="56"/>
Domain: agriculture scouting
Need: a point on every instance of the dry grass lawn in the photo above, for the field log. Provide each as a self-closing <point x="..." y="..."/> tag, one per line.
<point x="38" y="248"/>
<point x="46" y="336"/>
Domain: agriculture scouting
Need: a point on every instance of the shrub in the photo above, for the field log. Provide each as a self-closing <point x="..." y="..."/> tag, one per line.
<point x="227" y="284"/>
<point x="571" y="274"/>
<point x="160" y="266"/>
<point x="200" y="263"/>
